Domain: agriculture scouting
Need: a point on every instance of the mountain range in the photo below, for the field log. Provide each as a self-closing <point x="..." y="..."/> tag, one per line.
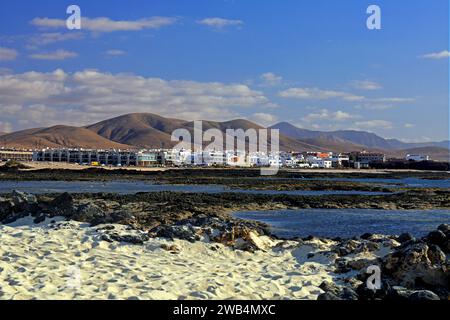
<point x="367" y="139"/>
<point x="146" y="130"/>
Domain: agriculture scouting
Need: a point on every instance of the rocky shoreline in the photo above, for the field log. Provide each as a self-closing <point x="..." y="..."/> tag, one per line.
<point x="195" y="175"/>
<point x="411" y="268"/>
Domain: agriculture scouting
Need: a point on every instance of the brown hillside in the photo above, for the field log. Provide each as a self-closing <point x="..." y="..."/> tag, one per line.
<point x="57" y="137"/>
<point x="153" y="131"/>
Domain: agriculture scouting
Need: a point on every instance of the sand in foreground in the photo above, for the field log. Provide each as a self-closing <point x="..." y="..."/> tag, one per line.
<point x="71" y="262"/>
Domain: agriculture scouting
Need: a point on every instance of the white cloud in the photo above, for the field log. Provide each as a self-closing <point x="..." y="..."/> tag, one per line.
<point x="374" y="124"/>
<point x="220" y="23"/>
<point x="55" y="55"/>
<point x="409" y="125"/>
<point x="52" y="37"/>
<point x="87" y="96"/>
<point x="393" y="100"/>
<point x="7" y="54"/>
<point x="437" y="55"/>
<point x="264" y="119"/>
<point x="325" y="114"/>
<point x="318" y="94"/>
<point x="104" y="24"/>
<point x="271" y="79"/>
<point x="115" y="52"/>
<point x="366" y="85"/>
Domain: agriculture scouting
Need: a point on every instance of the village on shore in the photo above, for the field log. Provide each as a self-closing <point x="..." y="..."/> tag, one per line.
<point x="214" y="158"/>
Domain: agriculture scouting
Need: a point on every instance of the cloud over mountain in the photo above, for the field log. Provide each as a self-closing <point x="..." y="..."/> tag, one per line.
<point x="42" y="99"/>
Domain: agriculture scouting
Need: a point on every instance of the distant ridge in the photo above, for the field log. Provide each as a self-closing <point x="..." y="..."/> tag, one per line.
<point x="362" y="138"/>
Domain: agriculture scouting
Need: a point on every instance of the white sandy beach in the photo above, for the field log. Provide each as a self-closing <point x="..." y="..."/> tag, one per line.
<point x="71" y="263"/>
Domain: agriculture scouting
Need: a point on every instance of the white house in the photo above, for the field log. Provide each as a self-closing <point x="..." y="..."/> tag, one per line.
<point x="320" y="163"/>
<point x="417" y="157"/>
<point x="258" y="159"/>
<point x="211" y="158"/>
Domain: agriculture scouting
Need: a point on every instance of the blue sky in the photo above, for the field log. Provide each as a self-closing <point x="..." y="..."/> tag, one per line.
<point x="312" y="63"/>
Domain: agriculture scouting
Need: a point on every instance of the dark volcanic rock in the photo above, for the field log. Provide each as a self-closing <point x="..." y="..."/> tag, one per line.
<point x="328" y="296"/>
<point x="404" y="237"/>
<point x="398" y="293"/>
<point x="39" y="219"/>
<point x="446" y="246"/>
<point x="334" y="292"/>
<point x="366" y="236"/>
<point x="239" y="234"/>
<point x="330" y="287"/>
<point x="423" y="295"/>
<point x="184" y="232"/>
<point x="364" y="293"/>
<point x="348" y="294"/>
<point x="20" y="198"/>
<point x="122" y="217"/>
<point x="63" y="205"/>
<point x="417" y="263"/>
<point x="25" y="202"/>
<point x="436" y="237"/>
<point x="445" y="228"/>
<point x="89" y="213"/>
<point x="6" y="209"/>
<point x="129" y="238"/>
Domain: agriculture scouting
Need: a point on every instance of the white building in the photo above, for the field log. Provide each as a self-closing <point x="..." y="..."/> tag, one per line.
<point x="338" y="160"/>
<point x="258" y="159"/>
<point x="179" y="157"/>
<point x="214" y="158"/>
<point x="275" y="160"/>
<point x="417" y="157"/>
<point x="319" y="162"/>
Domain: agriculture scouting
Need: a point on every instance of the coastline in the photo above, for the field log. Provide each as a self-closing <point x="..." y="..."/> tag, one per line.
<point x="148" y="250"/>
<point x="71" y="166"/>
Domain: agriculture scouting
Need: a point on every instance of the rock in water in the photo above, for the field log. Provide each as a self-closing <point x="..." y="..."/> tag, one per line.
<point x="445" y="228"/>
<point x="405" y="237"/>
<point x="436" y="237"/>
